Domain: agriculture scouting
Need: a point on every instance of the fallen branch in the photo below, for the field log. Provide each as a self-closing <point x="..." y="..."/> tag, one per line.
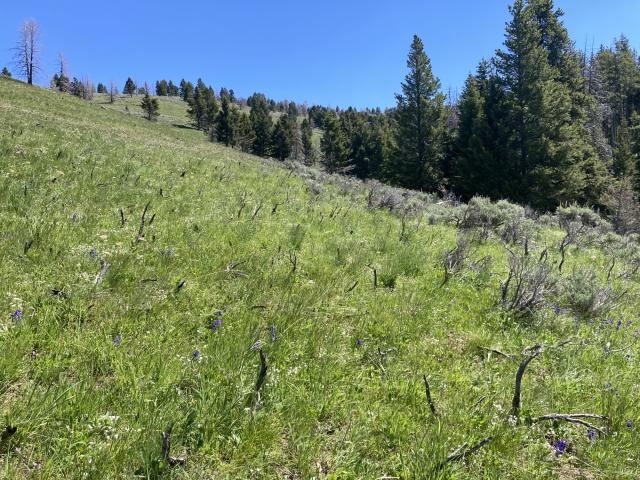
<point x="573" y="418"/>
<point x="142" y="220"/>
<point x="464" y="451"/>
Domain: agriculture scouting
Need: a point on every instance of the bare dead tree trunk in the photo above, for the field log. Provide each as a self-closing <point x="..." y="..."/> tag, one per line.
<point x="27" y="51"/>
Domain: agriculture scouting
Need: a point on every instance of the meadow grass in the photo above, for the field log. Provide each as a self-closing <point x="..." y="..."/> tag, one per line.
<point x="108" y="331"/>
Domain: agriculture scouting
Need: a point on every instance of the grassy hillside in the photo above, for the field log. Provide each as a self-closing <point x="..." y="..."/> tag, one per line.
<point x="139" y="265"/>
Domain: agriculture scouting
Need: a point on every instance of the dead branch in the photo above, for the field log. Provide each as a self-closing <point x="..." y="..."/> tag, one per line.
<point x="427" y="391"/>
<point x="531" y="353"/>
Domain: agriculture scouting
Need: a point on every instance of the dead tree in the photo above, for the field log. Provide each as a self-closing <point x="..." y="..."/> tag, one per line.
<point x="28" y="49"/>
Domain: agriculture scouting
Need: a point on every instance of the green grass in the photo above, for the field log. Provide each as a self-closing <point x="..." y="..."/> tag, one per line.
<point x="232" y="226"/>
<point x="173" y="110"/>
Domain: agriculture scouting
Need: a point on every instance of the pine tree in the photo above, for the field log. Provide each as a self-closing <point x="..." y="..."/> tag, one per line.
<point x="548" y="148"/>
<point x="102" y="88"/>
<point x="244" y="136"/>
<point x="334" y="145"/>
<point x="5" y="73"/>
<point x="203" y="106"/>
<point x="225" y="122"/>
<point x="186" y="90"/>
<point x="281" y="139"/>
<point x="172" y="89"/>
<point x="162" y="89"/>
<point x="150" y="106"/>
<point x="261" y="123"/>
<point x="420" y="119"/>
<point x="129" y="87"/>
<point x="306" y="135"/>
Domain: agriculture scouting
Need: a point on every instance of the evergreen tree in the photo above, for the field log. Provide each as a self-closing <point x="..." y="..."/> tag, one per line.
<point x="5" y="72"/>
<point x="548" y="149"/>
<point x="162" y="89"/>
<point x="203" y="106"/>
<point x="150" y="106"/>
<point x="186" y="90"/>
<point x="102" y="88"/>
<point x="306" y="135"/>
<point x="244" y="135"/>
<point x="172" y="89"/>
<point x="261" y="123"/>
<point x="334" y="145"/>
<point x="420" y="119"/>
<point x="282" y="139"/>
<point x="225" y="122"/>
<point x="129" y="87"/>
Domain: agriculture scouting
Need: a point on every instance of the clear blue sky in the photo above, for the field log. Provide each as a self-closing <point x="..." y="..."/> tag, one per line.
<point x="332" y="52"/>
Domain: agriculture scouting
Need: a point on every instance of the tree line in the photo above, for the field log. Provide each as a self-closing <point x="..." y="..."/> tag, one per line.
<point x="540" y="123"/>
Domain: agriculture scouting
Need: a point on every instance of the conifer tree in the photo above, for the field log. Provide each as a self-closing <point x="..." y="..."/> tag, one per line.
<point x="162" y="89"/>
<point x="306" y="136"/>
<point x="334" y="145"/>
<point x="186" y="90"/>
<point x="281" y="139"/>
<point x="261" y="123"/>
<point x="420" y="119"/>
<point x="150" y="107"/>
<point x="129" y="87"/>
<point x="5" y="72"/>
<point x="225" y="122"/>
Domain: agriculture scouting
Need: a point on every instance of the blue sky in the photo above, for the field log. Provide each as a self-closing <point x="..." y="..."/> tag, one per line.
<point x="333" y="52"/>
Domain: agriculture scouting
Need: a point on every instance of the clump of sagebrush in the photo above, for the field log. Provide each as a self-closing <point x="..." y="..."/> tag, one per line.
<point x="453" y="260"/>
<point x="488" y="216"/>
<point x="529" y="283"/>
<point x="586" y="296"/>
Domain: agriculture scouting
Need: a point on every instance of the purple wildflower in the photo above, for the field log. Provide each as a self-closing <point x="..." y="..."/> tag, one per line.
<point x="196" y="354"/>
<point x="618" y="324"/>
<point x="217" y="323"/>
<point x="17" y="315"/>
<point x="591" y="433"/>
<point x="359" y="342"/>
<point x="557" y="310"/>
<point x="629" y="424"/>
<point x="560" y="446"/>
<point x="92" y="252"/>
<point x="117" y="340"/>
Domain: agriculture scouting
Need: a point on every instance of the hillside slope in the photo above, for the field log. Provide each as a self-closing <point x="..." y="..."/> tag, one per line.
<point x="140" y="265"/>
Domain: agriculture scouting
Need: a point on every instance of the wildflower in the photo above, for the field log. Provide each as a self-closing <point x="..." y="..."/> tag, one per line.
<point x="216" y="323"/>
<point x="618" y="324"/>
<point x="196" y="355"/>
<point x="117" y="340"/>
<point x="557" y="310"/>
<point x="629" y="424"/>
<point x="359" y="342"/>
<point x="591" y="433"/>
<point x="92" y="252"/>
<point x="607" y="386"/>
<point x="17" y="315"/>
<point x="273" y="333"/>
<point x="560" y="446"/>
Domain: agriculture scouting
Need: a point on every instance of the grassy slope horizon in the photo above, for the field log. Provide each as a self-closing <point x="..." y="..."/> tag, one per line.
<point x="93" y="372"/>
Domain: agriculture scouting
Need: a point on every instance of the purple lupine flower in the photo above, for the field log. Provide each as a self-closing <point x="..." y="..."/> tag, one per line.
<point x="196" y="354"/>
<point x="359" y="342"/>
<point x="17" y="315"/>
<point x="92" y="252"/>
<point x="560" y="446"/>
<point x="557" y="310"/>
<point x="591" y="433"/>
<point x="117" y="340"/>
<point x="629" y="424"/>
<point x="217" y="323"/>
<point x="273" y="333"/>
<point x="618" y="324"/>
